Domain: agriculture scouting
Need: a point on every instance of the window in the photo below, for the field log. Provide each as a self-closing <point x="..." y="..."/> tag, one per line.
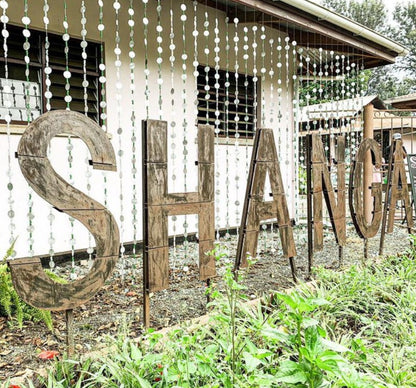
<point x="37" y="86"/>
<point x="243" y="108"/>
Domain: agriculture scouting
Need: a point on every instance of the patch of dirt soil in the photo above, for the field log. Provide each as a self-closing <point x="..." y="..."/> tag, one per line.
<point x="118" y="305"/>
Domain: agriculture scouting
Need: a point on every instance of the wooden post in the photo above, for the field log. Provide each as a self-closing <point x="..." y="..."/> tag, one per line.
<point x="159" y="204"/>
<point x="309" y="201"/>
<point x="340" y="255"/>
<point x="368" y="165"/>
<point x="387" y="201"/>
<point x="366" y="248"/>
<point x="70" y="347"/>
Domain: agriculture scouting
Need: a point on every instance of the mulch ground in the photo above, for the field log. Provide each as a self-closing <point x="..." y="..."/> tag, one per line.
<point x="118" y="306"/>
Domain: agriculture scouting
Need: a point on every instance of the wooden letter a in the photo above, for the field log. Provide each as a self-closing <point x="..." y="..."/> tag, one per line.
<point x="264" y="159"/>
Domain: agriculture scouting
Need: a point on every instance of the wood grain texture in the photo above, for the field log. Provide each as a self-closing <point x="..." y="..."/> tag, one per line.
<point x="399" y="192"/>
<point x="29" y="279"/>
<point x="159" y="204"/>
<point x="322" y="188"/>
<point x="264" y="160"/>
<point x="356" y="188"/>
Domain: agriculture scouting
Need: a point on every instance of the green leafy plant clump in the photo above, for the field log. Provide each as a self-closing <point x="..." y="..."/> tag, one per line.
<point x="11" y="306"/>
<point x="345" y="329"/>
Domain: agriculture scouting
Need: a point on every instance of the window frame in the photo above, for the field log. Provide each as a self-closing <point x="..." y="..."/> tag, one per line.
<point x="39" y="64"/>
<point x="245" y="134"/>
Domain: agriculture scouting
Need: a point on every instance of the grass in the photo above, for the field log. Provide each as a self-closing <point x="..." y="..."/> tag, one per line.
<point x="346" y="329"/>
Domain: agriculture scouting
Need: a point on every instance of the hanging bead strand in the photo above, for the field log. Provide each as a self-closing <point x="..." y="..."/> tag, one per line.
<point x="271" y="75"/>
<point x="184" y="122"/>
<point x="263" y="105"/>
<point x="120" y="152"/>
<point x="159" y="59"/>
<point x="226" y="129"/>
<point x="48" y="96"/>
<point x="263" y="75"/>
<point x="146" y="58"/>
<point x="271" y="121"/>
<point x="85" y="84"/>
<point x="195" y="34"/>
<point x="217" y="129"/>
<point x="279" y="98"/>
<point x="26" y="46"/>
<point x="132" y="56"/>
<point x="173" y="146"/>
<point x="246" y="84"/>
<point x="295" y="140"/>
<point x="237" y="122"/>
<point x="67" y="73"/>
<point x="7" y="103"/>
<point x="102" y="81"/>
<point x="68" y="99"/>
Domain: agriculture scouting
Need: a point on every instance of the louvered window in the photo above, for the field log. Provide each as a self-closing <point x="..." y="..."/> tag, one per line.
<point x="37" y="78"/>
<point x="233" y="112"/>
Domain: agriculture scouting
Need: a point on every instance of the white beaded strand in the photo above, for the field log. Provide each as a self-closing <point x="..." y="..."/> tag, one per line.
<point x="227" y="135"/>
<point x="237" y="121"/>
<point x="184" y="122"/>
<point x="159" y="59"/>
<point x="173" y="137"/>
<point x="146" y="58"/>
<point x="26" y="46"/>
<point x="48" y="96"/>
<point x="217" y="123"/>
<point x="85" y="84"/>
<point x="132" y="56"/>
<point x="7" y="103"/>
<point x="67" y="74"/>
<point x="120" y="152"/>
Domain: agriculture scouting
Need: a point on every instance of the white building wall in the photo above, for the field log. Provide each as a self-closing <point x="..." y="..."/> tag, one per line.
<point x="278" y="114"/>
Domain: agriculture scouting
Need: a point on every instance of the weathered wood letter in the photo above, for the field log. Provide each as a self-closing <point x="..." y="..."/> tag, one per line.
<point x="322" y="187"/>
<point x="29" y="279"/>
<point x="356" y="190"/>
<point x="264" y="159"/>
<point x="399" y="191"/>
<point x="158" y="204"/>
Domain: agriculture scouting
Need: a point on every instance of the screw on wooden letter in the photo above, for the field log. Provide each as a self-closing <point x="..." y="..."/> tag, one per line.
<point x="158" y="204"/>
<point x="321" y="186"/>
<point x="264" y="159"/>
<point x="29" y="279"/>
<point x="356" y="188"/>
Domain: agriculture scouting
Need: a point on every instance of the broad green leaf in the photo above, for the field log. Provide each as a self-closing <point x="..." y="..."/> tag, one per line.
<point x="334" y="346"/>
<point x="308" y="322"/>
<point x="135" y="352"/>
<point x="291" y="372"/>
<point x="143" y="383"/>
<point x="251" y="362"/>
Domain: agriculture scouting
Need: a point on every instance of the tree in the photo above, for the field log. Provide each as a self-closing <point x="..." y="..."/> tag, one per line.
<point x="370" y="13"/>
<point x="393" y="80"/>
<point x="405" y="33"/>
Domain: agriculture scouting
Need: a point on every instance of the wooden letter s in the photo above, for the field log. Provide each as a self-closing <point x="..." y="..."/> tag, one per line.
<point x="29" y="279"/>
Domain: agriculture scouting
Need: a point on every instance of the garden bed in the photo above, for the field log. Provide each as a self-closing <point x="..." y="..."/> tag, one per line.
<point x="119" y="304"/>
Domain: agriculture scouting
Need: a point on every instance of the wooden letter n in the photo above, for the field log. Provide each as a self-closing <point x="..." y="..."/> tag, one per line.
<point x="264" y="159"/>
<point x="158" y="204"/>
<point x="321" y="187"/>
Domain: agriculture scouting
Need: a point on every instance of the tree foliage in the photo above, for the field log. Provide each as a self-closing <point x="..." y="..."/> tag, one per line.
<point x="370" y="13"/>
<point x="399" y="78"/>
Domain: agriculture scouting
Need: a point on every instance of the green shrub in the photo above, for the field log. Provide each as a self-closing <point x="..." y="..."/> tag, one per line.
<point x="12" y="306"/>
